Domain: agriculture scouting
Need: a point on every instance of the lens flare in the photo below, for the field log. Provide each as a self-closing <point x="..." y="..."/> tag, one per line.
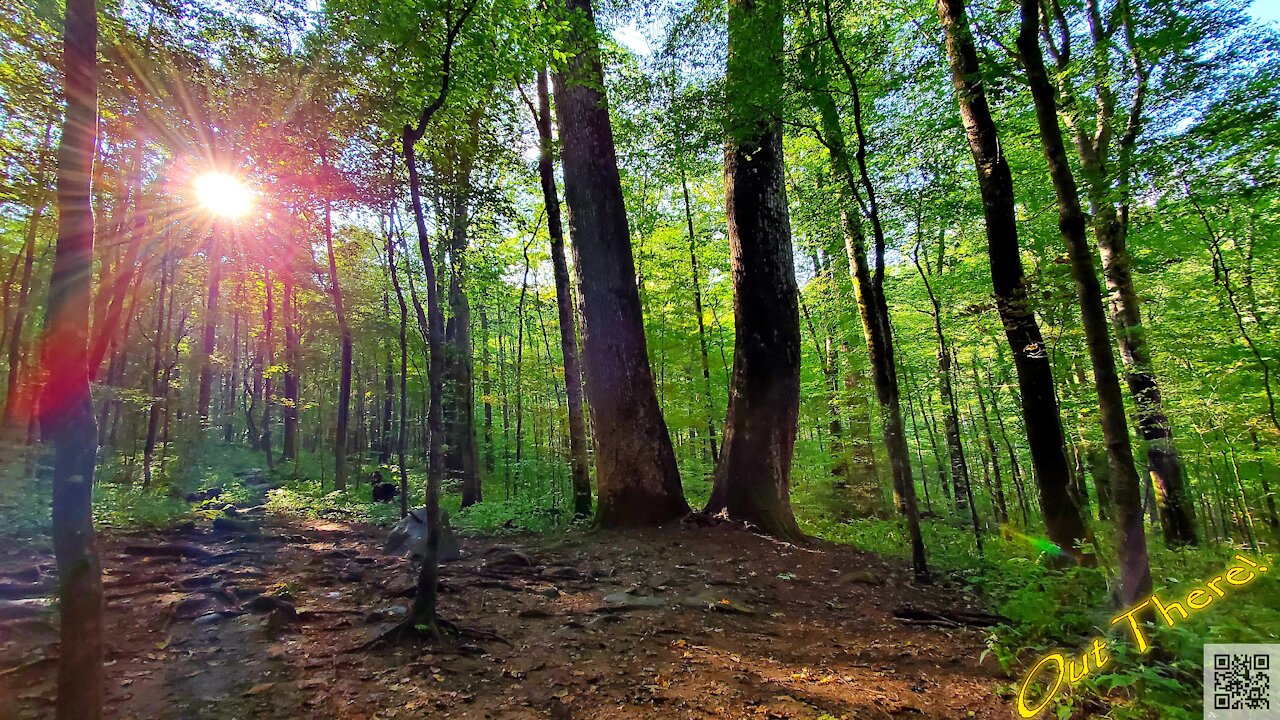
<point x="224" y="195"/>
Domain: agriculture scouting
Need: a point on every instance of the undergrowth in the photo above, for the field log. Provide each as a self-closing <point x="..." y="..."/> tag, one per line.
<point x="1048" y="610"/>
<point x="1063" y="610"/>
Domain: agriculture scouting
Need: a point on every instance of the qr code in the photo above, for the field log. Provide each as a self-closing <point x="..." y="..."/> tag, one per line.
<point x="1238" y="682"/>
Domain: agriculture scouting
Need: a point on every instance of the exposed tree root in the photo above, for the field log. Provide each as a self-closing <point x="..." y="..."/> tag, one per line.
<point x="440" y="631"/>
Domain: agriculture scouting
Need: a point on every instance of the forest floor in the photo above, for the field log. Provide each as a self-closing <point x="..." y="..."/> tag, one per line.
<point x="693" y="621"/>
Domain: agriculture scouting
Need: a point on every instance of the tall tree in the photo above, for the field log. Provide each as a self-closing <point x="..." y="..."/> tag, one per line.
<point x="858" y="198"/>
<point x="580" y="469"/>
<point x="344" y="330"/>
<point x="636" y="475"/>
<point x="66" y="409"/>
<point x="1135" y="570"/>
<point x="1063" y="518"/>
<point x="753" y="477"/>
<point x="1108" y="168"/>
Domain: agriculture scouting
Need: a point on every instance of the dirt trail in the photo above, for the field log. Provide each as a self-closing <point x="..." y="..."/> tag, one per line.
<point x="686" y="622"/>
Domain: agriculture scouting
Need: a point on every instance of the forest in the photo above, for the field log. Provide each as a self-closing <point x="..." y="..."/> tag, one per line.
<point x="600" y="358"/>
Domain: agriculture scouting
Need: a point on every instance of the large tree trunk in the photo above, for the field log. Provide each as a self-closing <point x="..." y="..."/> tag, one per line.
<point x="579" y="464"/>
<point x="637" y="478"/>
<point x="1062" y="517"/>
<point x="1126" y="490"/>
<point x="66" y="410"/>
<point x="753" y="478"/>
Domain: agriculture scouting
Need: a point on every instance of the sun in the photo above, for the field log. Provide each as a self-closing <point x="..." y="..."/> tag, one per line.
<point x="224" y="195"/>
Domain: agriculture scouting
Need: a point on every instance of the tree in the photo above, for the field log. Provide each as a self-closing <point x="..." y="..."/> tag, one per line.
<point x="753" y="477"/>
<point x="1135" y="570"/>
<point x="1108" y="165"/>
<point x="1062" y="516"/>
<point x="579" y="464"/>
<point x="636" y="475"/>
<point x="66" y="409"/>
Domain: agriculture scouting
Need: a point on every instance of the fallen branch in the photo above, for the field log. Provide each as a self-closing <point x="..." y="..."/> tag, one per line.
<point x="946" y="618"/>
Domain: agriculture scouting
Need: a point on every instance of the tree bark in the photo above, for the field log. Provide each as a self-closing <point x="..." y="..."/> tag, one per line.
<point x="66" y="409"/>
<point x="402" y="429"/>
<point x="637" y="478"/>
<point x="580" y="468"/>
<point x="1126" y="490"/>
<point x="753" y="478"/>
<point x="462" y="456"/>
<point x="1043" y="423"/>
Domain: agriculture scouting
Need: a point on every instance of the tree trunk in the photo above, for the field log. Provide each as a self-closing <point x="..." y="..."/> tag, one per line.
<point x="712" y="435"/>
<point x="869" y="289"/>
<point x="637" y="478"/>
<point x="402" y="430"/>
<point x="1002" y="509"/>
<point x="753" y="478"/>
<point x="66" y="410"/>
<point x="423" y="611"/>
<point x="210" y="318"/>
<point x="1126" y="490"/>
<point x="946" y="382"/>
<point x="1063" y="520"/>
<point x="462" y="456"/>
<point x="158" y="384"/>
<point x="266" y="358"/>
<point x="385" y="435"/>
<point x="292" y="364"/>
<point x="344" y="330"/>
<point x="17" y="404"/>
<point x="1104" y="180"/>
<point x="579" y="464"/>
<point x="229" y="401"/>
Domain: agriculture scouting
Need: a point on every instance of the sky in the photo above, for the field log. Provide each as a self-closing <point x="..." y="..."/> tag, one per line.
<point x="1268" y="10"/>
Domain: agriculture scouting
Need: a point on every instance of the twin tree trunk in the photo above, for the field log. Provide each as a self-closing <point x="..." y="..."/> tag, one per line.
<point x="1126" y="489"/>
<point x="579" y="464"/>
<point x="637" y="477"/>
<point x="1063" y="518"/>
<point x="753" y="477"/>
<point x="66" y="409"/>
